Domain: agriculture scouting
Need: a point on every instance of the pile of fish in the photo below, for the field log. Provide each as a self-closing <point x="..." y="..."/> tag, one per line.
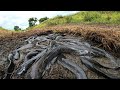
<point x="35" y="59"/>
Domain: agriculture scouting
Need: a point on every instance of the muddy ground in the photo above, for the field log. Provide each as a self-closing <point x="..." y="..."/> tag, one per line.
<point x="56" y="71"/>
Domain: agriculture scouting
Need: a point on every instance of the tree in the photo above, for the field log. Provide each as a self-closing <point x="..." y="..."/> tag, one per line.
<point x="32" y="21"/>
<point x="16" y="28"/>
<point x="43" y="19"/>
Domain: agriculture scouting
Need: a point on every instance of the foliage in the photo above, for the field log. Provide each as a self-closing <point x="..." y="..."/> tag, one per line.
<point x="32" y="21"/>
<point x="43" y="19"/>
<point x="16" y="28"/>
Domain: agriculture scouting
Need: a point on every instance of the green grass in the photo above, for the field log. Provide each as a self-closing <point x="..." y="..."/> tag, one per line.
<point x="93" y="17"/>
<point x="1" y="28"/>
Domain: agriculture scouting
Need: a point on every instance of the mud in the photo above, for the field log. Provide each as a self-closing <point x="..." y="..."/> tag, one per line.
<point x="77" y="49"/>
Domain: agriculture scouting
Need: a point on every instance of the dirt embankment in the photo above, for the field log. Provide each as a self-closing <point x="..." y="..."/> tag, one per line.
<point x="103" y="36"/>
<point x="59" y="56"/>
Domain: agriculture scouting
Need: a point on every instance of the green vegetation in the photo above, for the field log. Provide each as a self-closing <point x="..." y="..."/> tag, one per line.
<point x="85" y="17"/>
<point x="1" y="28"/>
<point x="43" y="19"/>
<point x="93" y="17"/>
<point x="32" y="21"/>
<point x="16" y="28"/>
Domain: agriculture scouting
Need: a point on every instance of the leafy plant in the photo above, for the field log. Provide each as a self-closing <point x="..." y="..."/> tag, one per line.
<point x="43" y="19"/>
<point x="32" y="21"/>
<point x="16" y="28"/>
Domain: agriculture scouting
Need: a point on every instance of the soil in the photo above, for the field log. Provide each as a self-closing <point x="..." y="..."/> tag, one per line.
<point x="56" y="71"/>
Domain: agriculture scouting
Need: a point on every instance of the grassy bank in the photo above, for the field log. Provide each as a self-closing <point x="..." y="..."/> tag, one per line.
<point x="86" y="17"/>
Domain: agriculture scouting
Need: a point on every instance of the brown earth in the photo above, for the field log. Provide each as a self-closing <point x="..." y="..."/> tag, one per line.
<point x="103" y="36"/>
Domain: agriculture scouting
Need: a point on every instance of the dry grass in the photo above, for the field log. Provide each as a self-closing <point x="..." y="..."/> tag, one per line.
<point x="10" y="40"/>
<point x="106" y="36"/>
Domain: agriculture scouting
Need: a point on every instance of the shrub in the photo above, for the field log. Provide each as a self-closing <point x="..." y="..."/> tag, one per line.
<point x="16" y="28"/>
<point x="43" y="19"/>
<point x="32" y="21"/>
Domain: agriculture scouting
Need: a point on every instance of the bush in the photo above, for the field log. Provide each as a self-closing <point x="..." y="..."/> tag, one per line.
<point x="16" y="28"/>
<point x="32" y="21"/>
<point x="43" y="19"/>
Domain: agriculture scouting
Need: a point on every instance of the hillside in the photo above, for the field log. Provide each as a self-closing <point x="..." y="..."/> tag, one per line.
<point x="86" y="17"/>
<point x="95" y="31"/>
